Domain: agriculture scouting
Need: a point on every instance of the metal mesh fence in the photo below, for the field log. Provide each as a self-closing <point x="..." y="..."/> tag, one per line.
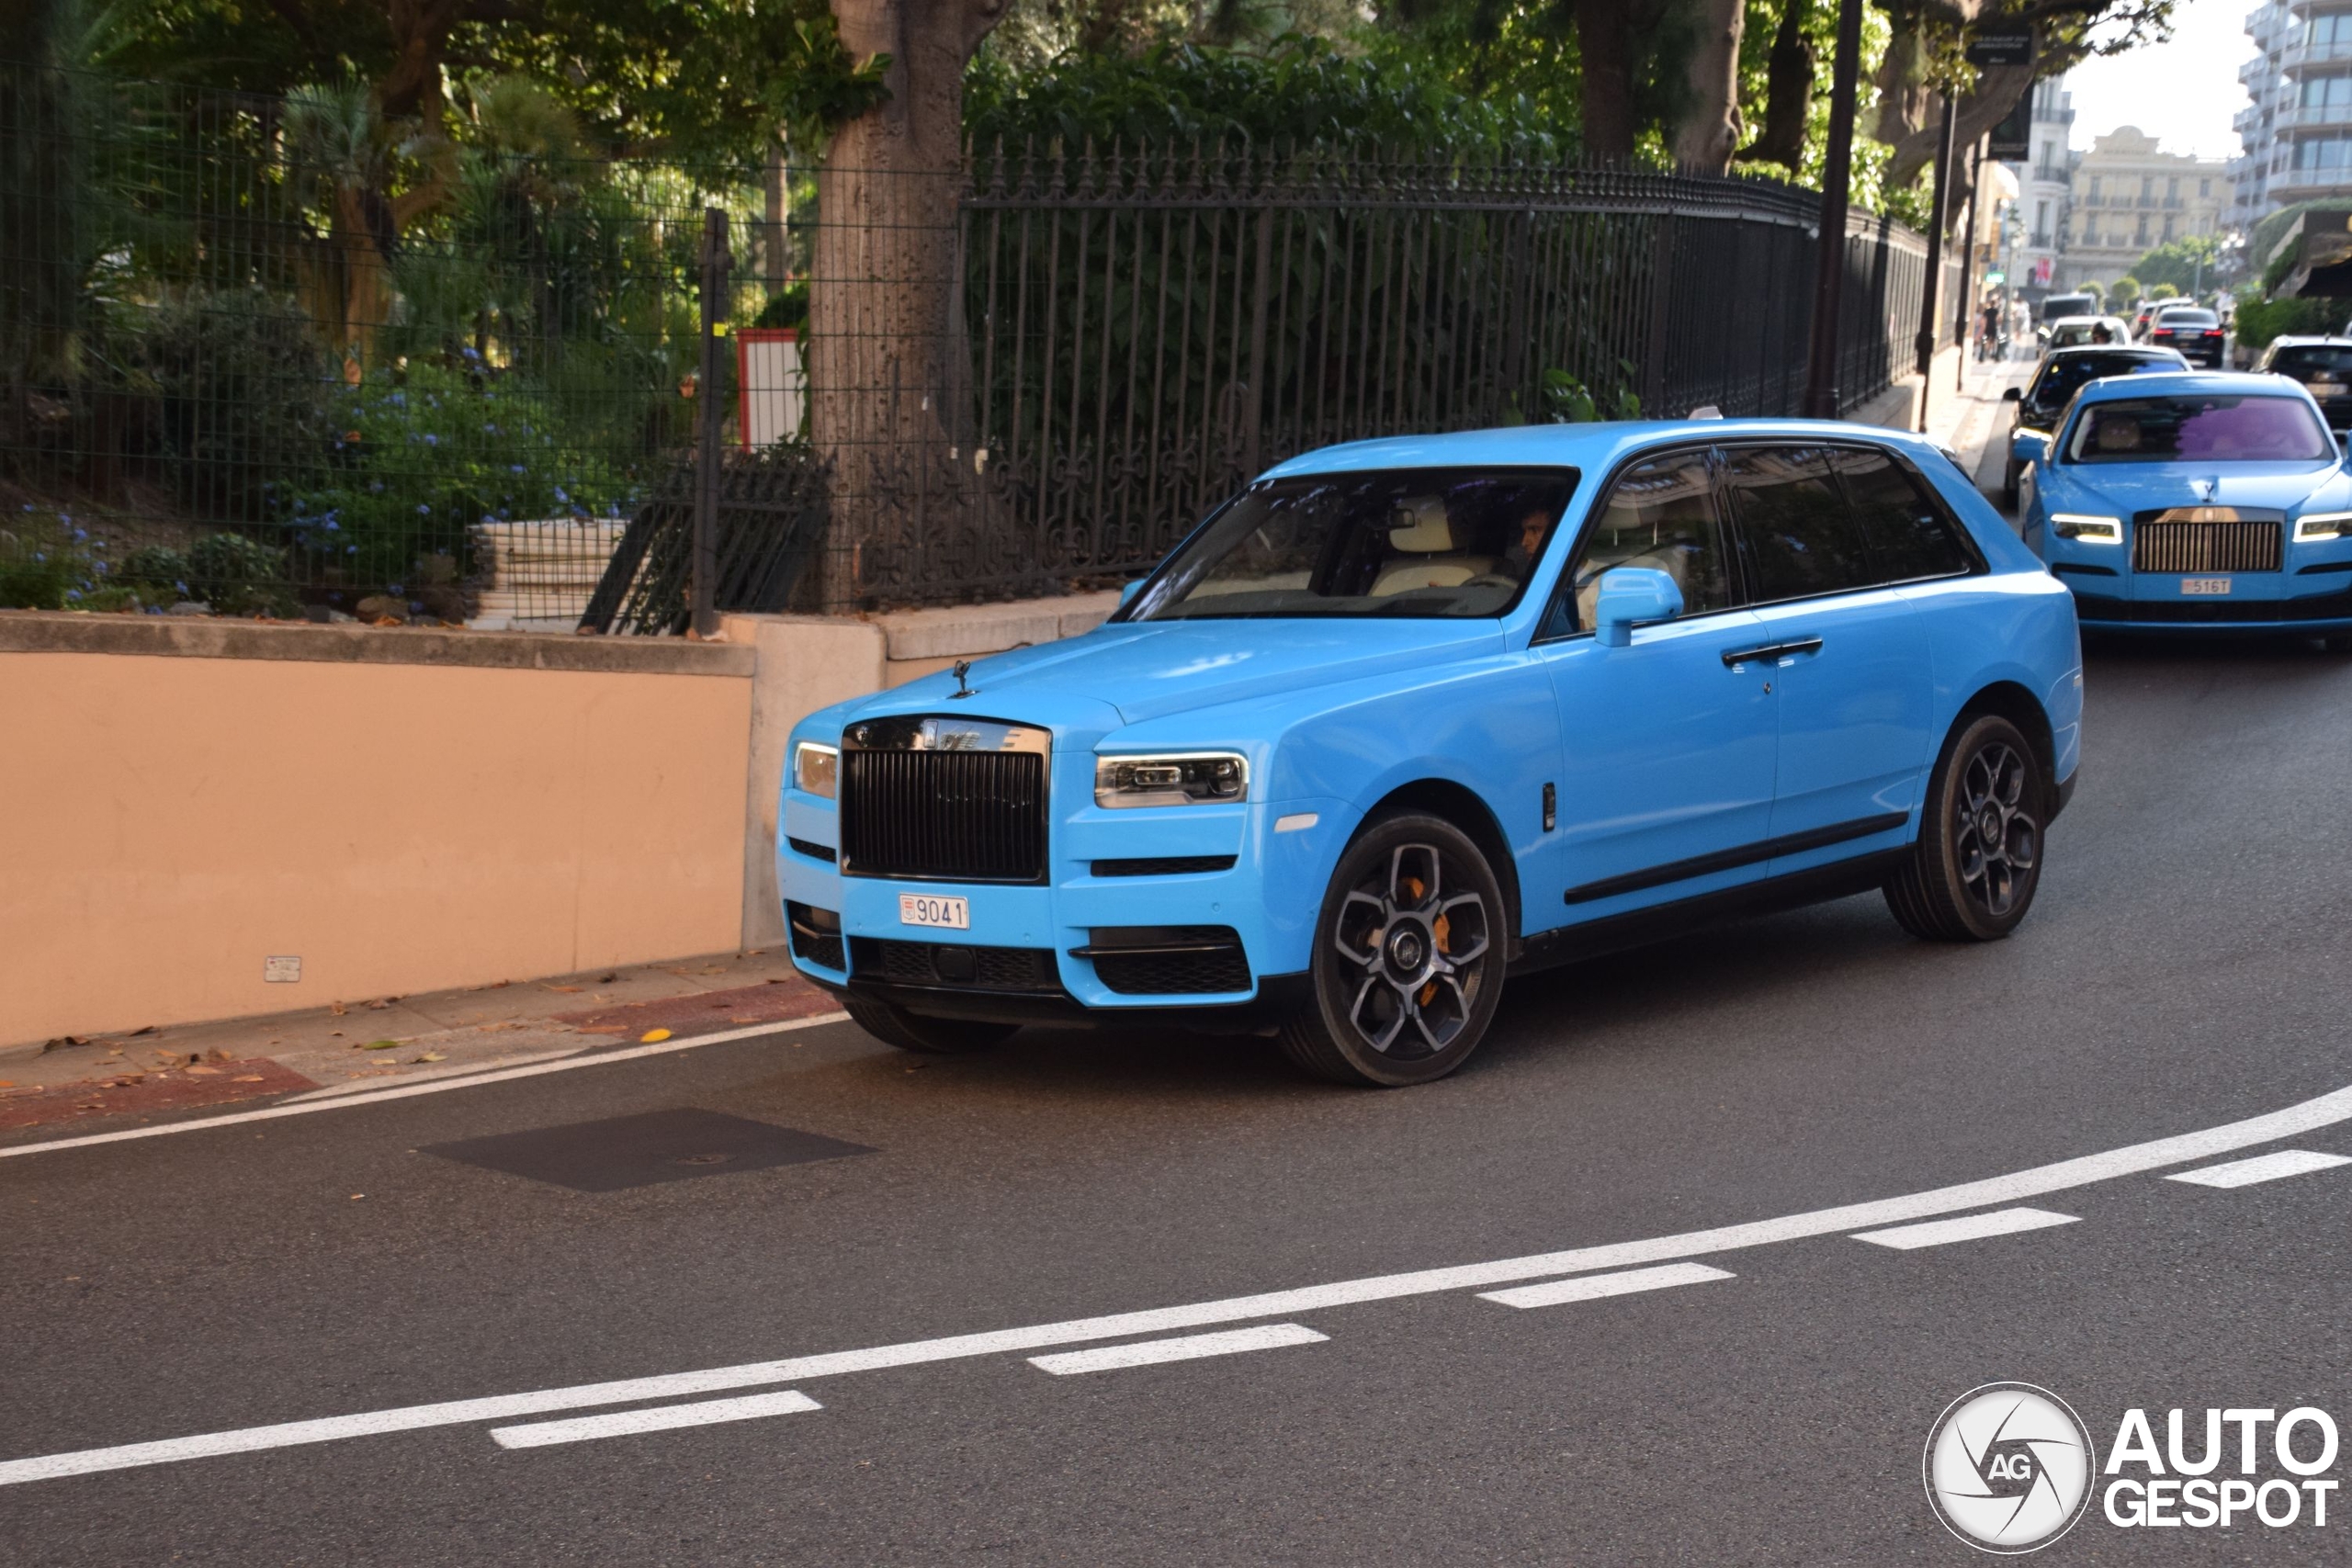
<point x="260" y="355"/>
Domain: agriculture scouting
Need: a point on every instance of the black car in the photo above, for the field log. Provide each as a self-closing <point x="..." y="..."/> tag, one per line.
<point x="2038" y="406"/>
<point x="2196" y="332"/>
<point x="2324" y="365"/>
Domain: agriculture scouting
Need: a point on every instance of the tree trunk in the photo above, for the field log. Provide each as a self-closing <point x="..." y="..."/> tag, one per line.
<point x="1788" y="93"/>
<point x="888" y="378"/>
<point x="1709" y="134"/>
<point x="1604" y="37"/>
<point x="1999" y="87"/>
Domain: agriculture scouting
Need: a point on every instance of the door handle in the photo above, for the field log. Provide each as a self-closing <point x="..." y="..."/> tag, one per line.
<point x="1775" y="651"/>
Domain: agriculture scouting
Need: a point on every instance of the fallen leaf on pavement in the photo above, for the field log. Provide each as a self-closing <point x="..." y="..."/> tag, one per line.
<point x="217" y="1055"/>
<point x="379" y="1004"/>
<point x="381" y="1045"/>
<point x="148" y="1030"/>
<point x="434" y="1056"/>
<point x="337" y="1009"/>
<point x="651" y="1035"/>
<point x="571" y="989"/>
<point x="205" y="1071"/>
<point x="62" y="1041"/>
<point x="607" y="977"/>
<point x="248" y="1077"/>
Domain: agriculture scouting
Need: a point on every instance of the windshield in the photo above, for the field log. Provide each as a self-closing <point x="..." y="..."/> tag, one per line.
<point x="1410" y="542"/>
<point x="2316" y="362"/>
<point x="2201" y="428"/>
<point x="2061" y="378"/>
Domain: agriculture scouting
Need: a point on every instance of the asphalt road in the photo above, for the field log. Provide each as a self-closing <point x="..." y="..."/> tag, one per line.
<point x="2182" y="970"/>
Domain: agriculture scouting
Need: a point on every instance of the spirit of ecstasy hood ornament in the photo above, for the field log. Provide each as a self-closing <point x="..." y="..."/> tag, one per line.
<point x="962" y="667"/>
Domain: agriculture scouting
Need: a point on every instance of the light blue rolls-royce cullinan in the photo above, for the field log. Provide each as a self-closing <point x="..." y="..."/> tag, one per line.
<point x="1408" y="716"/>
<point x="2195" y="502"/>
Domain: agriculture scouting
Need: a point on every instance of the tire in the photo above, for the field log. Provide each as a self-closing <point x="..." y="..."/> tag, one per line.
<point x="1986" y="787"/>
<point x="2009" y="484"/>
<point x="1402" y="992"/>
<point x="919" y="1031"/>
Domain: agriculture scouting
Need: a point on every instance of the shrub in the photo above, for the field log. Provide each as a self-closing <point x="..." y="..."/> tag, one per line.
<point x="242" y="384"/>
<point x="157" y="569"/>
<point x="238" y="576"/>
<point x="426" y="453"/>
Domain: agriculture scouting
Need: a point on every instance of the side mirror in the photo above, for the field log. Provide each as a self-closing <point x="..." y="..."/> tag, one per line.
<point x="1128" y="593"/>
<point x="2030" y="446"/>
<point x="1631" y="594"/>
<point x="2012" y="394"/>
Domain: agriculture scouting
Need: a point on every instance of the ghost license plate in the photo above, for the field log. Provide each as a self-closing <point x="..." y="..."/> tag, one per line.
<point x="2195" y="586"/>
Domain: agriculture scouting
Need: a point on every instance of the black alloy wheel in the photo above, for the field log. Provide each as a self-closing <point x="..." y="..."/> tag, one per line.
<point x="895" y="1025"/>
<point x="1409" y="957"/>
<point x="1971" y="875"/>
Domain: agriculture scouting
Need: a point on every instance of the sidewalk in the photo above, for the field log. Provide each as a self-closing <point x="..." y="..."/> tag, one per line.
<point x="98" y="1084"/>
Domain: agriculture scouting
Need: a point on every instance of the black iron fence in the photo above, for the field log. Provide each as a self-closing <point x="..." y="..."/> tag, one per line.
<point x="267" y="356"/>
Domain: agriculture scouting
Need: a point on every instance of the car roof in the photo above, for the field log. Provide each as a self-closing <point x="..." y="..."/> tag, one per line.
<point x="2093" y="318"/>
<point x="2183" y="305"/>
<point x="2138" y="350"/>
<point x="2242" y="382"/>
<point x="1592" y="445"/>
<point x="2287" y="340"/>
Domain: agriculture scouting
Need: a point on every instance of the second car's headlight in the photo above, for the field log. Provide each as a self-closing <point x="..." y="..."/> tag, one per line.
<point x="2316" y="526"/>
<point x="815" y="767"/>
<point x="1191" y="778"/>
<point x="2087" y="529"/>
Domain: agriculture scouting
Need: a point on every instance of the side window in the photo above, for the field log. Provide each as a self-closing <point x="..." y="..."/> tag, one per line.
<point x="1800" y="536"/>
<point x="1908" y="535"/>
<point x="1662" y="514"/>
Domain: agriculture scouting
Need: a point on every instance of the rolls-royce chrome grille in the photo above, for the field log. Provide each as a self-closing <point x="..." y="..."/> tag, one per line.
<point x="946" y="799"/>
<point x="2207" y="538"/>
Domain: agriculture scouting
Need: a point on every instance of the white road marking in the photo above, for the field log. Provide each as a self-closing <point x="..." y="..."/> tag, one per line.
<point x="1968" y="1227"/>
<point x="2261" y="1167"/>
<point x="1189" y="1348"/>
<point x="410" y="1090"/>
<point x="2325" y="1111"/>
<point x="1593" y="1287"/>
<point x="662" y="1419"/>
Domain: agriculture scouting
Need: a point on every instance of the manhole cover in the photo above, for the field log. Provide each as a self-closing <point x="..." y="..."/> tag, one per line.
<point x="640" y="1150"/>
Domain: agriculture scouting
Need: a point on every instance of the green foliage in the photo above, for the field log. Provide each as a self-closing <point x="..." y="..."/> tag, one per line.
<point x="1300" y="90"/>
<point x="45" y="563"/>
<point x="2181" y="264"/>
<point x="2127" y="290"/>
<point x="2164" y="292"/>
<point x="238" y="379"/>
<point x="2259" y="321"/>
<point x="2093" y="288"/>
<point x="238" y="576"/>
<point x="429" y="452"/>
<point x="1563" y="400"/>
<point x="157" y="568"/>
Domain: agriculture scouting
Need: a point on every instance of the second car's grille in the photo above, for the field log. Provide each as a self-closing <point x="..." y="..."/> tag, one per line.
<point x="2235" y="546"/>
<point x="950" y="815"/>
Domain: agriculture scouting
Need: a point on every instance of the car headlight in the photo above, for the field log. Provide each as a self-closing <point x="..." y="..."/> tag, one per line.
<point x="2316" y="526"/>
<point x="1191" y="778"/>
<point x="815" y="768"/>
<point x="2089" y="530"/>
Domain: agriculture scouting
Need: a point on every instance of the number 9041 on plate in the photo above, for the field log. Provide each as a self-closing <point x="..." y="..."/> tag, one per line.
<point x="926" y="910"/>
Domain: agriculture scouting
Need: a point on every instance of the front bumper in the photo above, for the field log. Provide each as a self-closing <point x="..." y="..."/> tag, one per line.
<point x="1228" y="871"/>
<point x="2286" y="602"/>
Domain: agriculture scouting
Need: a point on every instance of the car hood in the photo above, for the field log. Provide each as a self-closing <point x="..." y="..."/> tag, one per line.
<point x="2141" y="487"/>
<point x="1156" y="668"/>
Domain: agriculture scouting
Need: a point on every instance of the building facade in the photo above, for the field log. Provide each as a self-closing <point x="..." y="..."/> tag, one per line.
<point x="2128" y="196"/>
<point x="2045" y="183"/>
<point x="2272" y="27"/>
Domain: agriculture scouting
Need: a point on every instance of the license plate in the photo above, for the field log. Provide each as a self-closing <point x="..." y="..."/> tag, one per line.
<point x="956" y="914"/>
<point x="2203" y="585"/>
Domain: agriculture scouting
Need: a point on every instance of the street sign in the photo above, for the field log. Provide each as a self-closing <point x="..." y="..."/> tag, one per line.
<point x="1994" y="276"/>
<point x="2012" y="140"/>
<point x="2006" y="46"/>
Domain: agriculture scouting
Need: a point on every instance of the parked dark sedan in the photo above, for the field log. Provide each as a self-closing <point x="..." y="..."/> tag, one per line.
<point x="2324" y="365"/>
<point x="2196" y="332"/>
<point x="2036" y="410"/>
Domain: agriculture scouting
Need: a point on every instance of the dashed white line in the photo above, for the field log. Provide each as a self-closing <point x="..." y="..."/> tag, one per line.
<point x="1185" y="1347"/>
<point x="410" y="1090"/>
<point x="1594" y="1287"/>
<point x="2293" y="1121"/>
<point x="1968" y="1227"/>
<point x="662" y="1418"/>
<point x="2261" y="1167"/>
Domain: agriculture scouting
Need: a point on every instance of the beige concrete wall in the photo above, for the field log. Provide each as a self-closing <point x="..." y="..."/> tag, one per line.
<point x="805" y="662"/>
<point x="406" y="812"/>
